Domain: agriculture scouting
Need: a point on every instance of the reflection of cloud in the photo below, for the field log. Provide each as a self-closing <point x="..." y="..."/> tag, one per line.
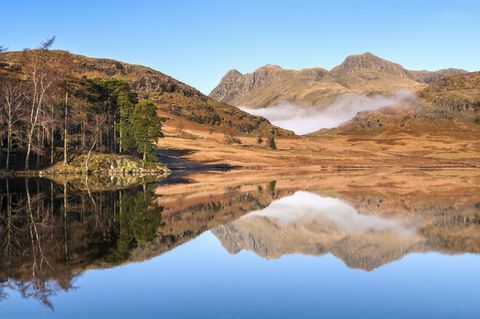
<point x="304" y="207"/>
<point x="304" y="120"/>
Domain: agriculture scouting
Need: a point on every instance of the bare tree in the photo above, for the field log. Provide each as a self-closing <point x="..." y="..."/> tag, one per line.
<point x="3" y="48"/>
<point x="11" y="109"/>
<point x="47" y="44"/>
<point x="40" y="85"/>
<point x="64" y="76"/>
<point x="65" y="128"/>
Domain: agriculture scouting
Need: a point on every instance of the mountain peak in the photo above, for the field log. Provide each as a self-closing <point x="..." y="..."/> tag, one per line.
<point x="364" y="60"/>
<point x="231" y="76"/>
<point x="268" y="67"/>
<point x="233" y="72"/>
<point x="228" y="80"/>
<point x="369" y="61"/>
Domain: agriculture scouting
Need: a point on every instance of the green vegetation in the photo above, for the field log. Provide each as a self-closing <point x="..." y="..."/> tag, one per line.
<point x="146" y="128"/>
<point x="271" y="143"/>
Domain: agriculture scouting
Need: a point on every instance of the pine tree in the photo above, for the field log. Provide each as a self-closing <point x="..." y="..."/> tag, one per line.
<point x="147" y="128"/>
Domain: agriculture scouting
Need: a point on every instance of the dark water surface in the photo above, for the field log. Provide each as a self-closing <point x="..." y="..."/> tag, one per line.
<point x="269" y="248"/>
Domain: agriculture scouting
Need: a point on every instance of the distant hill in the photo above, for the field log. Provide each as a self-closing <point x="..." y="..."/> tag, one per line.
<point x="460" y="92"/>
<point x="365" y="73"/>
<point x="173" y="98"/>
<point x="449" y="106"/>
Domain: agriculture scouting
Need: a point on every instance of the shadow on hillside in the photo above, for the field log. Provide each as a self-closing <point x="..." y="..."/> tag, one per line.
<point x="180" y="166"/>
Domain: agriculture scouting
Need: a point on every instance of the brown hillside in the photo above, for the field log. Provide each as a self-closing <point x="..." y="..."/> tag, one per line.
<point x="174" y="98"/>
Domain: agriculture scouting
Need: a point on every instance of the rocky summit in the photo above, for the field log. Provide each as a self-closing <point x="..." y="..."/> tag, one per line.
<point x="364" y="73"/>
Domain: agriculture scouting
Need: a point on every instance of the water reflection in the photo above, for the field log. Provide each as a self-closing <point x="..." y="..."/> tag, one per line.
<point x="310" y="224"/>
<point x="365" y="233"/>
<point x="48" y="233"/>
<point x="51" y="232"/>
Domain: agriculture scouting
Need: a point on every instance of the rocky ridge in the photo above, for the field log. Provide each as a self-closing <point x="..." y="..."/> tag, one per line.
<point x="365" y="73"/>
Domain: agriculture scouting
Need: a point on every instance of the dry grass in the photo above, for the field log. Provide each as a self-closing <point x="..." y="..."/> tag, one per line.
<point x="330" y="151"/>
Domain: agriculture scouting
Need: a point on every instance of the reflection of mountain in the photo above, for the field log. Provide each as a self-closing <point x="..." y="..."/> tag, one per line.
<point x="310" y="224"/>
<point x="185" y="218"/>
<point x="366" y="220"/>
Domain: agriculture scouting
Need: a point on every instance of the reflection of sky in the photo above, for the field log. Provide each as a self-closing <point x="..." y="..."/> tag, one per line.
<point x="201" y="280"/>
<point x="305" y="207"/>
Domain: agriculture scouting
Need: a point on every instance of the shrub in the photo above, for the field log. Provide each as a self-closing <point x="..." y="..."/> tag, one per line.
<point x="271" y="143"/>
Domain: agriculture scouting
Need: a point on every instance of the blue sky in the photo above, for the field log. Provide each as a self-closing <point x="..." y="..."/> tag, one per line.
<point x="198" y="41"/>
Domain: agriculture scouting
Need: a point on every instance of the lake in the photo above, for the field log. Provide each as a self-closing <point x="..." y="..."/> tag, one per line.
<point x="242" y="244"/>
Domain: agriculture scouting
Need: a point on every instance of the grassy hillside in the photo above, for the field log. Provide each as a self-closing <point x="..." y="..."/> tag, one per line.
<point x="173" y="97"/>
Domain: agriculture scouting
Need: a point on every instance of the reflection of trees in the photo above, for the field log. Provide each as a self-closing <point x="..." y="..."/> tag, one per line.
<point x="137" y="222"/>
<point x="48" y="234"/>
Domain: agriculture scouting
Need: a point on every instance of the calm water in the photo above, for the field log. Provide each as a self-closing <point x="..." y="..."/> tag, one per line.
<point x="263" y="250"/>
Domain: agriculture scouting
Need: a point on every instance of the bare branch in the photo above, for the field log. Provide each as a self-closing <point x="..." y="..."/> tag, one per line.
<point x="47" y="44"/>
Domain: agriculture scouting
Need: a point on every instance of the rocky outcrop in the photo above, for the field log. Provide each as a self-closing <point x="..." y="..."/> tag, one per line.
<point x="368" y="61"/>
<point x="433" y="76"/>
<point x="105" y="164"/>
<point x="460" y="92"/>
<point x="224" y="89"/>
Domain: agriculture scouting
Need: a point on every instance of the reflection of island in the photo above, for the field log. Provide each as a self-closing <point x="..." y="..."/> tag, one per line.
<point x="307" y="223"/>
<point x="50" y="233"/>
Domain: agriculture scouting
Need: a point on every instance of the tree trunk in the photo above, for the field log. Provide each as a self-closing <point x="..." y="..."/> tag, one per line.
<point x="52" y="138"/>
<point x="65" y="134"/>
<point x="121" y="139"/>
<point x="29" y="149"/>
<point x="88" y="156"/>
<point x="9" y="145"/>
<point x="114" y="147"/>
<point x="83" y="135"/>
<point x="144" y="156"/>
<point x="38" y="155"/>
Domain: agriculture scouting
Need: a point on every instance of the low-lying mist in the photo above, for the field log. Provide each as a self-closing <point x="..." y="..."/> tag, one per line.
<point x="304" y="120"/>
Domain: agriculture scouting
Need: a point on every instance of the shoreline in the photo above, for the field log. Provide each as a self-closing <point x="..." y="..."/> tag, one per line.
<point x="219" y="168"/>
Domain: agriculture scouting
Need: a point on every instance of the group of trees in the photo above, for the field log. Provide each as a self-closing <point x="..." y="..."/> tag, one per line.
<point x="46" y="113"/>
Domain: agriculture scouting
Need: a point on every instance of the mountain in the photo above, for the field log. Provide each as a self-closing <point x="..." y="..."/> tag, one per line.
<point x="175" y="100"/>
<point x="459" y="92"/>
<point x="448" y="107"/>
<point x="365" y="73"/>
